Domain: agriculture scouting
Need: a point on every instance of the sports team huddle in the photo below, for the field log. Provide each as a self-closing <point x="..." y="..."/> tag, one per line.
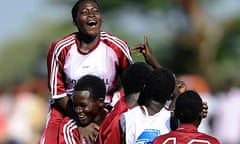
<point x="99" y="95"/>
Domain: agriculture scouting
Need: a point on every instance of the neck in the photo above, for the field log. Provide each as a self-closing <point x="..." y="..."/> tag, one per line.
<point x="86" y="38"/>
<point x="131" y="99"/>
<point x="197" y="122"/>
<point x="87" y="42"/>
<point x="100" y="117"/>
<point x="154" y="107"/>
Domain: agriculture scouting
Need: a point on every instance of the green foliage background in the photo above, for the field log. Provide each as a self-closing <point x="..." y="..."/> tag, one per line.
<point x="24" y="58"/>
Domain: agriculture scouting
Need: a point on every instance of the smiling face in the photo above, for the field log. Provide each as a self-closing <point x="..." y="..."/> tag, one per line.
<point x="88" y="19"/>
<point x="85" y="106"/>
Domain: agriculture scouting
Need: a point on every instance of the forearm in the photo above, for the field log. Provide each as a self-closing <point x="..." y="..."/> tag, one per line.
<point x="65" y="105"/>
<point x="151" y="60"/>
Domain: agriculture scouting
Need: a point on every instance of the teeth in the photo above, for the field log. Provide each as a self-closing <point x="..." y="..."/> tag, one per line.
<point x="92" y="22"/>
<point x="81" y="116"/>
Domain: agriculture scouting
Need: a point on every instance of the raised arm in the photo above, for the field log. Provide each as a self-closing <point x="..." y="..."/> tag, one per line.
<point x="146" y="51"/>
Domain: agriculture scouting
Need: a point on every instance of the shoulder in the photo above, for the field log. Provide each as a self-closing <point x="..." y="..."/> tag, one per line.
<point x="64" y="41"/>
<point x="68" y="123"/>
<point x="118" y="45"/>
<point x="164" y="111"/>
<point x="110" y="122"/>
<point x="212" y="139"/>
<point x="161" y="138"/>
<point x="131" y="114"/>
<point x="116" y="113"/>
<point x="110" y="38"/>
<point x="109" y="35"/>
<point x="135" y="110"/>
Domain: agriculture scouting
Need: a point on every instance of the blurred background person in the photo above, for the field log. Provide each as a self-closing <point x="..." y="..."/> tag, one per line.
<point x="226" y="123"/>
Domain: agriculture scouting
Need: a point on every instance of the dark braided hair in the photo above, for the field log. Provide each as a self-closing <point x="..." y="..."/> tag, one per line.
<point x="159" y="86"/>
<point x="188" y="106"/>
<point x="134" y="77"/>
<point x="75" y="8"/>
<point x="93" y="84"/>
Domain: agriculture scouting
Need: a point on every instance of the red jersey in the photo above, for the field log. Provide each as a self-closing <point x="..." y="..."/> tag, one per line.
<point x="109" y="131"/>
<point x="66" y="63"/>
<point x="185" y="134"/>
<point x="68" y="132"/>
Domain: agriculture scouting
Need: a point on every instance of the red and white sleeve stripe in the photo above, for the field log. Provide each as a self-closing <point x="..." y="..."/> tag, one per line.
<point x="56" y="58"/>
<point x="68" y="132"/>
<point x="119" y="43"/>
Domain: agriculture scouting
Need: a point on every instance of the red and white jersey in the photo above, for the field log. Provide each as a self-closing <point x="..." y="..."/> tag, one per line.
<point x="68" y="132"/>
<point x="66" y="63"/>
<point x="140" y="128"/>
<point x="186" y="134"/>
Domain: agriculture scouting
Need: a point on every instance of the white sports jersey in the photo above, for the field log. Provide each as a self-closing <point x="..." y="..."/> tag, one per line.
<point x="142" y="129"/>
<point x="67" y="64"/>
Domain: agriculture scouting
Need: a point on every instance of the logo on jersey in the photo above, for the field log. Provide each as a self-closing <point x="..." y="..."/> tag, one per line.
<point x="147" y="136"/>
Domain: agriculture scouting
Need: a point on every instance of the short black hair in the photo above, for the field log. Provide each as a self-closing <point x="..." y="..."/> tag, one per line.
<point x="159" y="86"/>
<point x="75" y="8"/>
<point x="93" y="84"/>
<point x="188" y="106"/>
<point x="134" y="76"/>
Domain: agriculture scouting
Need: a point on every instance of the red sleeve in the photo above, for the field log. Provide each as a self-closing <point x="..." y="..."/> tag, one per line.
<point x="55" y="64"/>
<point x="110" y="133"/>
<point x="124" y="55"/>
<point x="68" y="132"/>
<point x="124" y="62"/>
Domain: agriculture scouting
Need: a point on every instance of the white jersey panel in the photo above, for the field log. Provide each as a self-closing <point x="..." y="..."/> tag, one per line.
<point x="100" y="62"/>
<point x="141" y="129"/>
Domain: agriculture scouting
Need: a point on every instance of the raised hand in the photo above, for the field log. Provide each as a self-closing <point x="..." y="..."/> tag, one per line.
<point x="204" y="110"/>
<point x="145" y="50"/>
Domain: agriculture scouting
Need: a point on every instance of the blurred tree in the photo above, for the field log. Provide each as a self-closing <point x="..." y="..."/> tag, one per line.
<point x="229" y="48"/>
<point x="22" y="59"/>
<point x="109" y="5"/>
<point x="195" y="49"/>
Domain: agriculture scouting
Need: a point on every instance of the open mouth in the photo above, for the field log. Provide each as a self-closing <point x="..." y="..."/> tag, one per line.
<point x="82" y="117"/>
<point x="92" y="23"/>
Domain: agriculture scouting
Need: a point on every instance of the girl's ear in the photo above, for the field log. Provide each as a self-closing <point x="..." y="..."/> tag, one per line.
<point x="101" y="102"/>
<point x="182" y="87"/>
<point x="74" y="23"/>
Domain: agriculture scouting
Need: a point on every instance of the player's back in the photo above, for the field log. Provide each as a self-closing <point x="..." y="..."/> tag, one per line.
<point x="186" y="134"/>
